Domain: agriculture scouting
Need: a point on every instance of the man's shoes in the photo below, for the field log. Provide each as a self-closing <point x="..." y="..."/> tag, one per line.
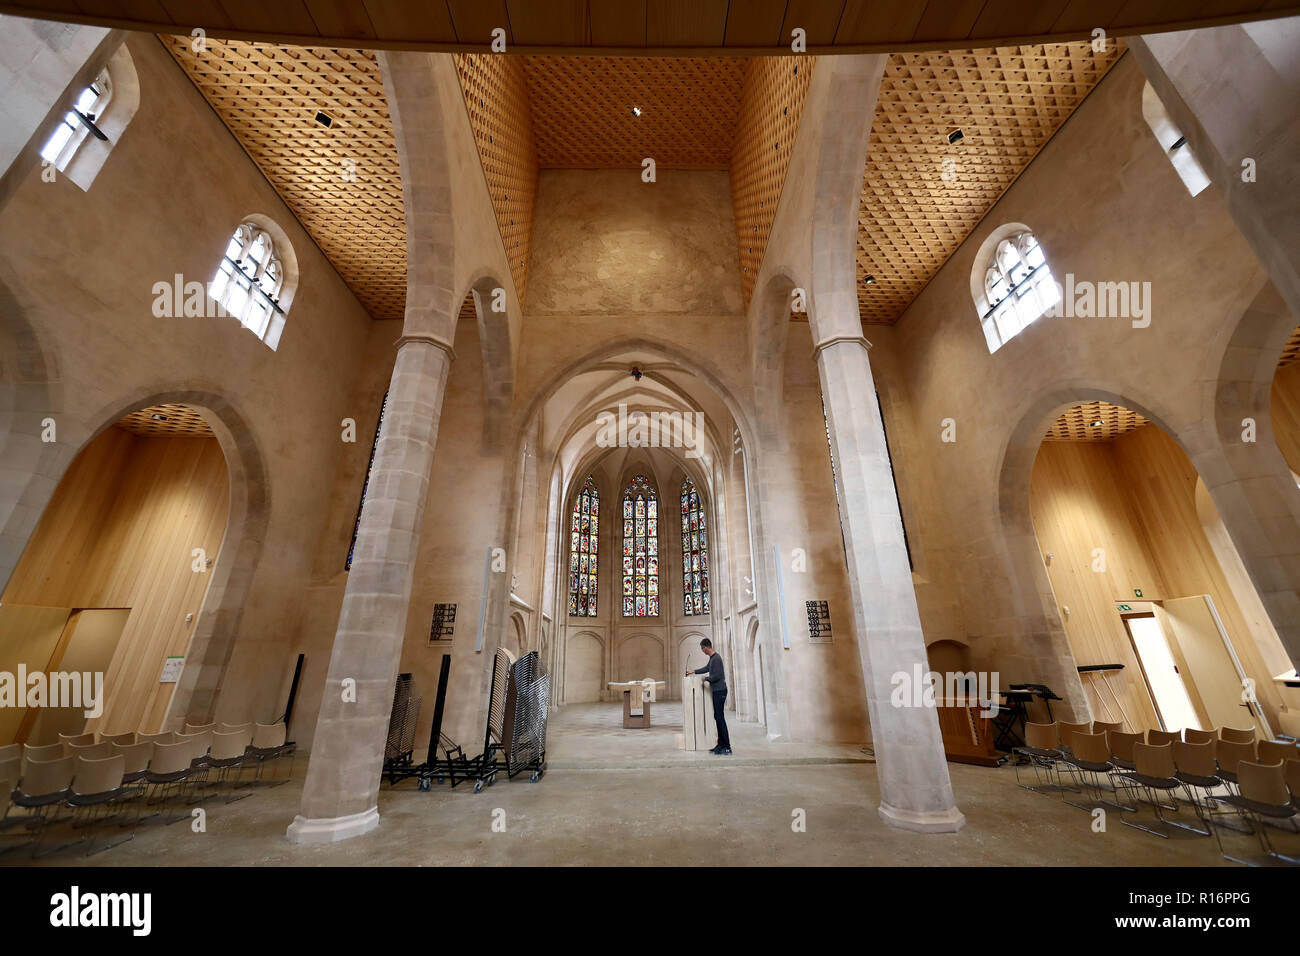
<point x="713" y="750"/>
<point x="722" y="752"/>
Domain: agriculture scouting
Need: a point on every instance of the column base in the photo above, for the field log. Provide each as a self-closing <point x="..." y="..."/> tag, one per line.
<point x="332" y="829"/>
<point x="923" y="821"/>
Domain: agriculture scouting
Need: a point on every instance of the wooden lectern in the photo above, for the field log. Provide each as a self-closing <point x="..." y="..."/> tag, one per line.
<point x="701" y="730"/>
<point x="638" y="695"/>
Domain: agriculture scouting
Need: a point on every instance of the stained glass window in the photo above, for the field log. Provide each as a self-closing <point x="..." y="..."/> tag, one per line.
<point x="695" y="552"/>
<point x="640" y="549"/>
<point x="584" y="529"/>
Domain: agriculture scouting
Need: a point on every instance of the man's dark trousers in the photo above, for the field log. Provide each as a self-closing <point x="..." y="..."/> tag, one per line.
<point x="719" y="702"/>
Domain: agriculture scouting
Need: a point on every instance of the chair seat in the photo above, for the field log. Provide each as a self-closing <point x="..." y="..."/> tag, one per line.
<point x="1123" y="764"/>
<point x="1036" y="752"/>
<point x="91" y="799"/>
<point x="1158" y="783"/>
<point x="1197" y="781"/>
<point x="172" y="777"/>
<point x="1089" y="765"/>
<point x="224" y="762"/>
<point x="42" y="800"/>
<point x="1263" y="809"/>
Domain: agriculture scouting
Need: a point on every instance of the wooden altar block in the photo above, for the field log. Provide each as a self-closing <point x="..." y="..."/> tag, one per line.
<point x="633" y="721"/>
<point x="701" y="731"/>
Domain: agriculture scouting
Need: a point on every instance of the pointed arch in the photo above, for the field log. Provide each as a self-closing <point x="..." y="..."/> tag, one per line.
<point x="695" y="551"/>
<point x="584" y="547"/>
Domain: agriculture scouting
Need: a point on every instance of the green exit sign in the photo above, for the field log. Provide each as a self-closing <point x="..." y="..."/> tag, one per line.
<point x="1137" y="592"/>
<point x="1126" y="607"/>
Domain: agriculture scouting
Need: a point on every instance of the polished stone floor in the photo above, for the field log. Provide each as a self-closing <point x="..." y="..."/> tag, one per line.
<point x="616" y="797"/>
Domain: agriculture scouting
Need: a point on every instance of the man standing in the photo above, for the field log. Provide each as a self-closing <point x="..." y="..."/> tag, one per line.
<point x="718" y="682"/>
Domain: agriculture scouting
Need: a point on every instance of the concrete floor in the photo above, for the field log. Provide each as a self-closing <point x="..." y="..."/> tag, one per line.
<point x="615" y="797"/>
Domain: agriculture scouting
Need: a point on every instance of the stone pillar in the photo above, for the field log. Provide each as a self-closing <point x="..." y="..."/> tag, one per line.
<point x="915" y="791"/>
<point x="340" y="798"/>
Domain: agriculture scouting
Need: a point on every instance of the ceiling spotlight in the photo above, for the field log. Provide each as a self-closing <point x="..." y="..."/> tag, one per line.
<point x="158" y="418"/>
<point x="1097" y="424"/>
<point x="324" y="119"/>
<point x="636" y="111"/>
<point x="869" y="280"/>
<point x="954" y="136"/>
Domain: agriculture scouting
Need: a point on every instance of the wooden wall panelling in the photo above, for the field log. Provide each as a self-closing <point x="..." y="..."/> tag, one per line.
<point x="1078" y="505"/>
<point x="774" y="93"/>
<point x="30" y="636"/>
<point x="119" y="532"/>
<point x="1133" y="497"/>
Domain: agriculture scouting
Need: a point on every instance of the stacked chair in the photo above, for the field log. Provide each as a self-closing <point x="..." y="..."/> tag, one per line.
<point x="1228" y="779"/>
<point x="99" y="779"/>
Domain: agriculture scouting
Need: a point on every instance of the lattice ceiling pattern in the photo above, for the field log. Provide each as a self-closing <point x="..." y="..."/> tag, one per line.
<point x="343" y="182"/>
<point x="774" y="93"/>
<point x="1291" y="351"/>
<point x="1078" y="423"/>
<point x="159" y="421"/>
<point x="921" y="195"/>
<point x="496" y="97"/>
<point x="583" y="111"/>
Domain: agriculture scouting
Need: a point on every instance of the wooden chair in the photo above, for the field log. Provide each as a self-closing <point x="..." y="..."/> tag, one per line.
<point x="1157" y="738"/>
<point x="1155" y="772"/>
<point x="1194" y="736"/>
<point x="1263" y="797"/>
<point x="96" y="784"/>
<point x="1233" y="735"/>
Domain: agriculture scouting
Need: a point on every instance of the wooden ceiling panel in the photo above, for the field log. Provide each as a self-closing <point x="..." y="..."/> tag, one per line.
<point x="476" y="19"/>
<point x="1094" y="422"/>
<point x="921" y="196"/>
<point x="341" y="18"/>
<point x="1001" y="18"/>
<point x="774" y="94"/>
<point x="668" y="27"/>
<point x="420" y="23"/>
<point x="583" y="119"/>
<point x="1291" y="351"/>
<point x="686" y="23"/>
<point x="892" y="20"/>
<point x="819" y="19"/>
<point x="344" y="182"/>
<point x="755" y="23"/>
<point x="496" y="96"/>
<point x="169" y="420"/>
<point x="617" y="23"/>
<point x="548" y="22"/>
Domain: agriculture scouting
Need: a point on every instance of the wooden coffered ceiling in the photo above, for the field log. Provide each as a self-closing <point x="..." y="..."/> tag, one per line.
<point x="1077" y="423"/>
<point x="742" y="27"/>
<point x="583" y="119"/>
<point x="921" y="195"/>
<point x="343" y="182"/>
<point x="167" y="421"/>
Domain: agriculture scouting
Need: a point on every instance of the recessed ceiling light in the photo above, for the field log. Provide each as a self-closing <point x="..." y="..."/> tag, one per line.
<point x="954" y="136"/>
<point x="869" y="280"/>
<point x="1097" y="424"/>
<point x="324" y="119"/>
<point x="158" y="418"/>
<point x="636" y="111"/>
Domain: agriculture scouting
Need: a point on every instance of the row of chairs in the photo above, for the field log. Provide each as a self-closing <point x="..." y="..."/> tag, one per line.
<point x="90" y="775"/>
<point x="1258" y="780"/>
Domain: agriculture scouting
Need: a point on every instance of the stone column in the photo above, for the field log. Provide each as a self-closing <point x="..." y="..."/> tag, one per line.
<point x="915" y="791"/>
<point x="340" y="797"/>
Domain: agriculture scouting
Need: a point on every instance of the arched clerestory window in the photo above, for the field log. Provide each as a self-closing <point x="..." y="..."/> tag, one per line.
<point x="1017" y="287"/>
<point x="250" y="281"/>
<point x="640" y="549"/>
<point x="93" y="121"/>
<point x="695" y="552"/>
<point x="584" y="531"/>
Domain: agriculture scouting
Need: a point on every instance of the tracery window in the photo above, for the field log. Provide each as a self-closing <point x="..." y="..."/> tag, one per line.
<point x="640" y="549"/>
<point x="249" y="279"/>
<point x="1018" y="289"/>
<point x="584" y="530"/>
<point x="78" y="123"/>
<point x="695" y="552"/>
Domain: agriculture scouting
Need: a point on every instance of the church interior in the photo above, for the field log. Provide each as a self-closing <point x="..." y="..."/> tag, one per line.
<point x="745" y="433"/>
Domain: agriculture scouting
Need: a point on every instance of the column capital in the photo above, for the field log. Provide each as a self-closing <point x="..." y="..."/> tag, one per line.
<point x="838" y="340"/>
<point x="427" y="339"/>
